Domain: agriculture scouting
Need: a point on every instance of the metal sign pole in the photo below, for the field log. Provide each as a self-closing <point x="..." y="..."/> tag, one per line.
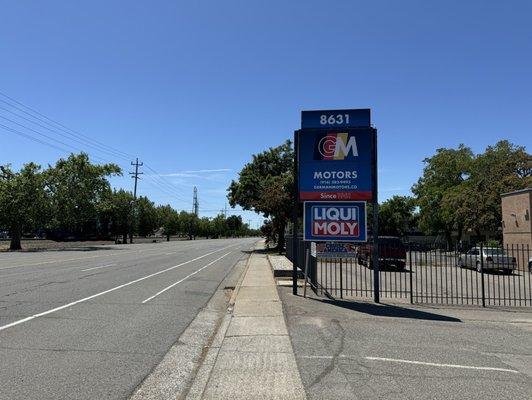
<point x="295" y="244"/>
<point x="307" y="260"/>
<point x="375" y="230"/>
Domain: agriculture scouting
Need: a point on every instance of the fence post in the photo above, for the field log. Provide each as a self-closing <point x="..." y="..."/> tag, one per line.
<point x="341" y="280"/>
<point x="410" y="268"/>
<point x="482" y="275"/>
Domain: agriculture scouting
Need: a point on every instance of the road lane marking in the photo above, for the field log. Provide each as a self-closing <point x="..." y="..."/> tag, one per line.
<point x="101" y="266"/>
<point x="441" y="365"/>
<point x="42" y="314"/>
<point x="185" y="278"/>
<point x="118" y="253"/>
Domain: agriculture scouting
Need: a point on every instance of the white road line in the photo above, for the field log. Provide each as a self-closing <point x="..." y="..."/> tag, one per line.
<point x="101" y="266"/>
<point x="441" y="365"/>
<point x="185" y="278"/>
<point x="84" y="258"/>
<point x="42" y="314"/>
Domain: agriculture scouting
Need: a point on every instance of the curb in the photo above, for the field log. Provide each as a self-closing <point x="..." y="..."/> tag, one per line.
<point x="202" y="375"/>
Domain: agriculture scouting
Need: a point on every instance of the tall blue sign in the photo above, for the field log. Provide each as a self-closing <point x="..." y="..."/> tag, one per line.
<point x="343" y="221"/>
<point x="336" y="164"/>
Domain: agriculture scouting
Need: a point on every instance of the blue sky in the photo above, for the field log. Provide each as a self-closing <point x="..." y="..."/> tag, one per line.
<point x="193" y="88"/>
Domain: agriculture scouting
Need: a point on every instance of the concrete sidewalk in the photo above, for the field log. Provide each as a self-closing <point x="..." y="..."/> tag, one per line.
<point x="251" y="356"/>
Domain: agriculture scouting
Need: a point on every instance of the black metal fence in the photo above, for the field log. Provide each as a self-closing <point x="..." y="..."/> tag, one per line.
<point x="482" y="275"/>
<point x="303" y="250"/>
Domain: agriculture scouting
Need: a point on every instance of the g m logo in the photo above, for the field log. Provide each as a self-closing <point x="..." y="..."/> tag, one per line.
<point x="335" y="146"/>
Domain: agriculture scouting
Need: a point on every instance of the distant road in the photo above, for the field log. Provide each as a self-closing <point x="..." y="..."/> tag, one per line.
<point x="91" y="324"/>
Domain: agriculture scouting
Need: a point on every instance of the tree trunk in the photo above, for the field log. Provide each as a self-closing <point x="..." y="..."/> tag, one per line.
<point x="449" y="240"/>
<point x="124" y="238"/>
<point x="167" y="238"/>
<point x="16" y="234"/>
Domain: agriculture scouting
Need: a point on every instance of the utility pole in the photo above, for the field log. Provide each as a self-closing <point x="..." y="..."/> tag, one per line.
<point x="195" y="202"/>
<point x="134" y="175"/>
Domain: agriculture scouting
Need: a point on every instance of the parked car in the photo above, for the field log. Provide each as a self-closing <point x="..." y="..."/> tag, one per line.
<point x="392" y="253"/>
<point x="492" y="259"/>
<point x="4" y="234"/>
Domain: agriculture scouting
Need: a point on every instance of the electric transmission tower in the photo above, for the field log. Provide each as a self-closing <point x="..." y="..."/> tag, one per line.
<point x="195" y="202"/>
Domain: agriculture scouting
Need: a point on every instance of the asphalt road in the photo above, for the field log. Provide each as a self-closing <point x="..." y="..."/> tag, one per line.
<point x="92" y="323"/>
<point x="360" y="350"/>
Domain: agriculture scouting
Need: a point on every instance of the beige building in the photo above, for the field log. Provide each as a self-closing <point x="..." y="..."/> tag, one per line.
<point x="517" y="224"/>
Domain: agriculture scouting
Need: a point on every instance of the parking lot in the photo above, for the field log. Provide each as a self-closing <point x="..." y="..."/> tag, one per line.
<point x="360" y="350"/>
<point x="428" y="277"/>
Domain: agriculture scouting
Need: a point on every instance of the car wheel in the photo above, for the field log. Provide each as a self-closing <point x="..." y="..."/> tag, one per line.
<point x="479" y="266"/>
<point x="508" y="271"/>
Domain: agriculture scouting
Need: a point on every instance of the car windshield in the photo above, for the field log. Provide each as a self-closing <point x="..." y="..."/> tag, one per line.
<point x="494" y="252"/>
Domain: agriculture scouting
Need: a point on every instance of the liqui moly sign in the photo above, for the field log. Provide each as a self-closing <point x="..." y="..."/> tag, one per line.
<point x="338" y="221"/>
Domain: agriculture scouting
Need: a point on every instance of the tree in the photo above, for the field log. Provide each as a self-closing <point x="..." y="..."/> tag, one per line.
<point x="77" y="187"/>
<point x="146" y="218"/>
<point x="396" y="216"/>
<point x="476" y="201"/>
<point x="205" y="227"/>
<point x="23" y="201"/>
<point x="444" y="171"/>
<point x="168" y="220"/>
<point x="265" y="185"/>
<point x="234" y="225"/>
<point x="118" y="207"/>
<point x="188" y="224"/>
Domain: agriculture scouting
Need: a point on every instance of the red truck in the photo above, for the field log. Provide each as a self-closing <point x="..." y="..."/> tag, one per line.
<point x="392" y="253"/>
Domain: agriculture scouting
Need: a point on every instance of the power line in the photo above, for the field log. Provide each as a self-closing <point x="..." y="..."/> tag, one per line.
<point x="69" y="134"/>
<point x="54" y="130"/>
<point x="61" y="126"/>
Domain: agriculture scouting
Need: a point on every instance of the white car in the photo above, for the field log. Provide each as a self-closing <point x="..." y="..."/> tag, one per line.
<point x="492" y="259"/>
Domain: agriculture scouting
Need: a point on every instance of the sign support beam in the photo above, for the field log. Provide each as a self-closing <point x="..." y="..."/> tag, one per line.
<point x="295" y="243"/>
<point x="375" y="229"/>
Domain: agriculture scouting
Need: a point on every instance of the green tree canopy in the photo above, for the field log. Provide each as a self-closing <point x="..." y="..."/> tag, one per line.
<point x="146" y="218"/>
<point x="445" y="170"/>
<point x="77" y="187"/>
<point x="168" y="220"/>
<point x="265" y="185"/>
<point x="117" y="205"/>
<point x="397" y="216"/>
<point x="24" y="203"/>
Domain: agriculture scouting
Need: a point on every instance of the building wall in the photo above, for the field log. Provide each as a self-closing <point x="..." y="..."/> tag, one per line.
<point x="517" y="224"/>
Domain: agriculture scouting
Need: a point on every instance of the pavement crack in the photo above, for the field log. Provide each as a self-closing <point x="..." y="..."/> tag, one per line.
<point x="329" y="368"/>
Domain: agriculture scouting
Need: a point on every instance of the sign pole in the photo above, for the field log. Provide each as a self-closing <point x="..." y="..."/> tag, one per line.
<point x="375" y="230"/>
<point x="295" y="244"/>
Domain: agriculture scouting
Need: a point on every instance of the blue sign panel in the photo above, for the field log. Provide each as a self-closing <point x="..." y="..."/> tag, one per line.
<point x="336" y="164"/>
<point x="336" y="118"/>
<point x="343" y="221"/>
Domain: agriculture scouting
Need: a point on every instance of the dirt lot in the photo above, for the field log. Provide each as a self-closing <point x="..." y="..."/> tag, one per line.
<point x="43" y="244"/>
